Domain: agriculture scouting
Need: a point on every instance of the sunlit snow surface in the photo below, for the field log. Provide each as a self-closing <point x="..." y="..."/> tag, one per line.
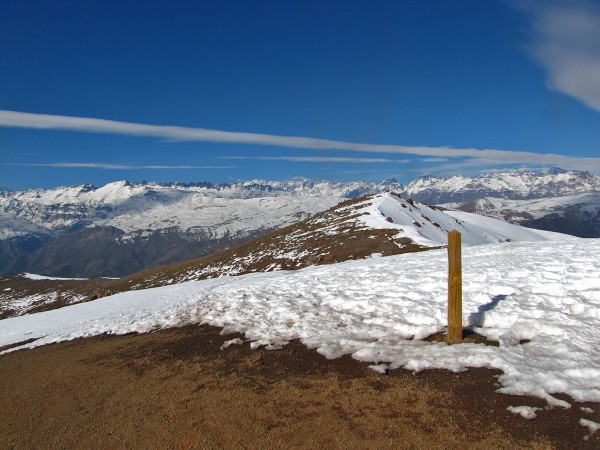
<point x="33" y="276"/>
<point x="380" y="309"/>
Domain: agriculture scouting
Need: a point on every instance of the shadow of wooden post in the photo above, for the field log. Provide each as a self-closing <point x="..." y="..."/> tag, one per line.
<point x="454" y="288"/>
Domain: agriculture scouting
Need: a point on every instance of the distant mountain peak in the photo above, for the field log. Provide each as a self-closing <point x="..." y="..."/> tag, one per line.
<point x="391" y="184"/>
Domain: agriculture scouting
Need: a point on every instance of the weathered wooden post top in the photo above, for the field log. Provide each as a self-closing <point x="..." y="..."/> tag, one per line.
<point x="454" y="288"/>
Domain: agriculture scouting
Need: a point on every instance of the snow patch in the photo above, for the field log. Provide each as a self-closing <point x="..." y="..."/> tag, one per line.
<point x="380" y="368"/>
<point x="527" y="412"/>
<point x="33" y="276"/>
<point x="592" y="426"/>
<point x="227" y="344"/>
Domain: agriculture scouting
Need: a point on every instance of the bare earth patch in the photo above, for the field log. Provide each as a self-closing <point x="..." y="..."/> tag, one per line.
<point x="177" y="389"/>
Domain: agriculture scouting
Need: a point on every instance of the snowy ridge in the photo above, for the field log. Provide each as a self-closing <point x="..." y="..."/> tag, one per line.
<point x="333" y="235"/>
<point x="578" y="214"/>
<point x="354" y="229"/>
<point x="429" y="226"/>
<point x="540" y="301"/>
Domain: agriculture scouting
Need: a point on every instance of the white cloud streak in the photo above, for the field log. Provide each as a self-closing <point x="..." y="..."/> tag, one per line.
<point x="566" y="42"/>
<point x="432" y="160"/>
<point x="109" y="166"/>
<point x="320" y="159"/>
<point x="16" y="119"/>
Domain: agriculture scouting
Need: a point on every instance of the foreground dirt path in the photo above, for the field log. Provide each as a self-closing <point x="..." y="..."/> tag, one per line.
<point x="177" y="389"/>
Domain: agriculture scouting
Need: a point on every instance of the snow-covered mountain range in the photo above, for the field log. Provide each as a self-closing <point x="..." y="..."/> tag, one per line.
<point x="123" y="227"/>
<point x="212" y="210"/>
<point x="515" y="185"/>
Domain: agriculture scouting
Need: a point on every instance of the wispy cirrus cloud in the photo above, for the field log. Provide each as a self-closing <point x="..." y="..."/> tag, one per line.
<point x="481" y="157"/>
<point x="566" y="43"/>
<point x="320" y="159"/>
<point x="109" y="166"/>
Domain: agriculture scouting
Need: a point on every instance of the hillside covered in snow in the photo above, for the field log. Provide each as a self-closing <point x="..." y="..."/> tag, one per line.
<point x="382" y="224"/>
<point x="554" y="200"/>
<point x="578" y="214"/>
<point x="538" y="301"/>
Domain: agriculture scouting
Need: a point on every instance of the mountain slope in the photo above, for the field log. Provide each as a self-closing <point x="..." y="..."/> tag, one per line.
<point x="576" y="214"/>
<point x="383" y="224"/>
<point x="554" y="200"/>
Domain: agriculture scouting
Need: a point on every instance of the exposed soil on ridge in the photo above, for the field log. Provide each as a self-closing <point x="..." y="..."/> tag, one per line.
<point x="177" y="389"/>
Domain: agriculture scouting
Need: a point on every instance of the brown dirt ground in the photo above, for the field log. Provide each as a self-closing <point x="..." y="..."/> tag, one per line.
<point x="177" y="389"/>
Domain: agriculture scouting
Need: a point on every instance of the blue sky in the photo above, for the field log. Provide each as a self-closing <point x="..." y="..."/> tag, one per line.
<point x="94" y="92"/>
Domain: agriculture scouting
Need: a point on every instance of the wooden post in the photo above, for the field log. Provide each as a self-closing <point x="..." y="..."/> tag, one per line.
<point x="454" y="288"/>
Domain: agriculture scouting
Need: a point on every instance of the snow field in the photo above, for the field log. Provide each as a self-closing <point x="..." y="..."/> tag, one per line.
<point x="540" y="300"/>
<point x="33" y="276"/>
<point x="527" y="412"/>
